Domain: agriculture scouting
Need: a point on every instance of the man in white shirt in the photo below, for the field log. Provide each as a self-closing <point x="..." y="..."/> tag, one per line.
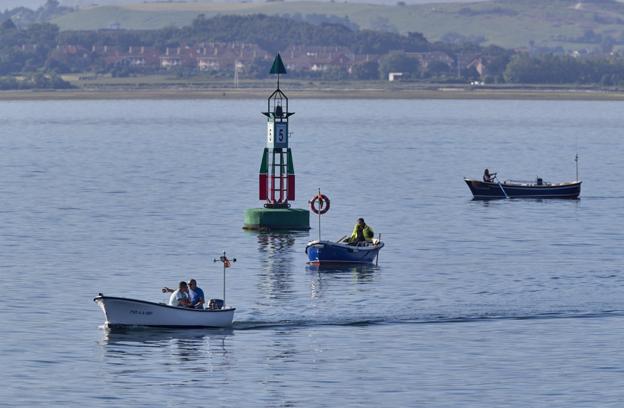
<point x="180" y="297"/>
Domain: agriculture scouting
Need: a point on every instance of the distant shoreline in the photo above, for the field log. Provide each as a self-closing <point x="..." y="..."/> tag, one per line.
<point x="327" y="93"/>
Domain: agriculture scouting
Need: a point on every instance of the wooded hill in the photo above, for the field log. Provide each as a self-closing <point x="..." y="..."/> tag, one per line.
<point x="571" y="24"/>
<point x="214" y="46"/>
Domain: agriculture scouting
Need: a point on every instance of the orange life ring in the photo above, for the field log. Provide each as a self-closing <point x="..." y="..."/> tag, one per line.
<point x="323" y="204"/>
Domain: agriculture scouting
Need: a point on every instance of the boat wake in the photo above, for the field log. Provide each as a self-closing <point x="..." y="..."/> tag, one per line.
<point x="154" y="336"/>
<point x="422" y="319"/>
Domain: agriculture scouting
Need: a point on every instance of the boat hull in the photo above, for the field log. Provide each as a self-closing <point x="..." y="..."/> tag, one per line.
<point x="483" y="190"/>
<point x="124" y="312"/>
<point x="327" y="252"/>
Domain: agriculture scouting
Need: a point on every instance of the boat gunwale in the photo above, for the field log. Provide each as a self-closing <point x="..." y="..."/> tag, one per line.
<point x="186" y="309"/>
<point x="347" y="246"/>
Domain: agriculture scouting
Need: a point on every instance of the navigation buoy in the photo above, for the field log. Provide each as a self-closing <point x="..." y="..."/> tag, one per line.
<point x="276" y="181"/>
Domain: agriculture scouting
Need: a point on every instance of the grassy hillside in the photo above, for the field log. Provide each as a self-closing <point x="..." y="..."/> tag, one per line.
<point x="83" y="3"/>
<point x="509" y="23"/>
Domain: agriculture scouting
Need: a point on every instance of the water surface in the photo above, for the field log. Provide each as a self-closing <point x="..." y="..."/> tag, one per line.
<point x="502" y="303"/>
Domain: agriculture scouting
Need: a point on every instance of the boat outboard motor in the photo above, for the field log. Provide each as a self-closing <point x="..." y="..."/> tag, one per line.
<point x="215" y="304"/>
<point x="540" y="181"/>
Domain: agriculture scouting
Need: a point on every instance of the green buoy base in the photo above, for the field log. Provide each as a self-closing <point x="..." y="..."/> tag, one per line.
<point x="269" y="219"/>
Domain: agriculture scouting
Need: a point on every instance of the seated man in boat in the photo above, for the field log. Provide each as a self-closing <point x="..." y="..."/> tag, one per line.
<point x="488" y="177"/>
<point x="361" y="233"/>
<point x="179" y="297"/>
<point x="196" y="294"/>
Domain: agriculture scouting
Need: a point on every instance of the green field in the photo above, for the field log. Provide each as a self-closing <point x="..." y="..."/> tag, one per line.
<point x="506" y="23"/>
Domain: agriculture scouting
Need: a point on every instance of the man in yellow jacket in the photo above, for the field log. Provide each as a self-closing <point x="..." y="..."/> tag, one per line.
<point x="361" y="232"/>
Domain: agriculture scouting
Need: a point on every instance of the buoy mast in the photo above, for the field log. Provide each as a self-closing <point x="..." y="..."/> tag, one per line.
<point x="277" y="172"/>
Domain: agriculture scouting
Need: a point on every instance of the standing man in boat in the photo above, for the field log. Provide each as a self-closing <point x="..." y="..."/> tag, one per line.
<point x="361" y="233"/>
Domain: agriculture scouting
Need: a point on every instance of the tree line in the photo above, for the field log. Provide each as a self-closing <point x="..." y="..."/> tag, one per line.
<point x="23" y="16"/>
<point x="30" y="50"/>
<point x="272" y="33"/>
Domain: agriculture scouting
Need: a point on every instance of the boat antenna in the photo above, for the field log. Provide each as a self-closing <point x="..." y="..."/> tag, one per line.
<point x="576" y="157"/>
<point x="319" y="215"/>
<point x="323" y="206"/>
<point x="226" y="264"/>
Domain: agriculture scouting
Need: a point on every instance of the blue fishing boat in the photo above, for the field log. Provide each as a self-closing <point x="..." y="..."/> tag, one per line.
<point x="329" y="252"/>
<point x="483" y="190"/>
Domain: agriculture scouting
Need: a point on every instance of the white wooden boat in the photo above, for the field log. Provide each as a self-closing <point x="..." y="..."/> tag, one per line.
<point x="124" y="312"/>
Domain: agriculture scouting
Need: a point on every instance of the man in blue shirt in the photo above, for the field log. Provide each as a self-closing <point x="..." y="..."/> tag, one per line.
<point x="197" y="295"/>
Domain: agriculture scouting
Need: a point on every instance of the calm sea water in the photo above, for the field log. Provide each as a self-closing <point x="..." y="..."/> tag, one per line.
<point x="502" y="304"/>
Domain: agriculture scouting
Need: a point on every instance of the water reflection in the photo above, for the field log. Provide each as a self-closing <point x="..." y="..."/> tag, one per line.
<point x="147" y="335"/>
<point x="186" y="342"/>
<point x="323" y="274"/>
<point x="186" y="353"/>
<point x="276" y="257"/>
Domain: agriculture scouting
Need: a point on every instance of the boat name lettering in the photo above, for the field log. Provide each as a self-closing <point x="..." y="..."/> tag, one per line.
<point x="140" y="312"/>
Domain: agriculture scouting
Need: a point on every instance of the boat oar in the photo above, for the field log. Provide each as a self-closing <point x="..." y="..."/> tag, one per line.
<point x="377" y="257"/>
<point x="502" y="189"/>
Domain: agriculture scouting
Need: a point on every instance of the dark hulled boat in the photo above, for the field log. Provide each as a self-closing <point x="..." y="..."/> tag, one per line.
<point x="523" y="189"/>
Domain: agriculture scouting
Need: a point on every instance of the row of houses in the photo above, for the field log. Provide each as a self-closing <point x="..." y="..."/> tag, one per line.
<point x="204" y="56"/>
<point x="216" y="56"/>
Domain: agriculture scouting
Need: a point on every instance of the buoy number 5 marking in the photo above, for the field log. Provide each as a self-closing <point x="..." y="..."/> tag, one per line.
<point x="280" y="135"/>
